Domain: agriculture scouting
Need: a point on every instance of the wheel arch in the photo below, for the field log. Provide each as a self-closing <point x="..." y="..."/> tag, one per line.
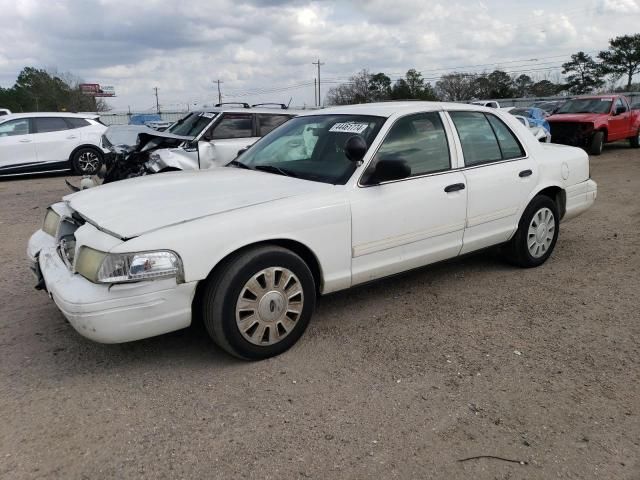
<point x="555" y="193"/>
<point x="86" y="145"/>
<point x="297" y="247"/>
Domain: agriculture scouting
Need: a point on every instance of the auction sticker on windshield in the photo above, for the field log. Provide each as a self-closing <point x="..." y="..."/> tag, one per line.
<point x="349" y="127"/>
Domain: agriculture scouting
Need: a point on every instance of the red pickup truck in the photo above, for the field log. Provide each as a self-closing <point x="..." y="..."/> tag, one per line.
<point x="590" y="122"/>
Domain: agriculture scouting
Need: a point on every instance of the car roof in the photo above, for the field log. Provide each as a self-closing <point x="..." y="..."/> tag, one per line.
<point x="386" y="109"/>
<point x="49" y="114"/>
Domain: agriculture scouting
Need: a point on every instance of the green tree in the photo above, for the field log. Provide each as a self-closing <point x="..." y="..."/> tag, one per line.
<point x="522" y="85"/>
<point x="583" y="74"/>
<point x="380" y="87"/>
<point x="622" y="57"/>
<point x="412" y="87"/>
<point x="545" y="88"/>
<point x="500" y="85"/>
<point x="455" y="87"/>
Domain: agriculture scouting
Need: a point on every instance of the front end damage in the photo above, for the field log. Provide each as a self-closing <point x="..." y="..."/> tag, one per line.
<point x="575" y="134"/>
<point x="129" y="149"/>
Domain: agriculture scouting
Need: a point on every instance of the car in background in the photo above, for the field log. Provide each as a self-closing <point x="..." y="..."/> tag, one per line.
<point x="541" y="134"/>
<point x="549" y="106"/>
<point x="329" y="200"/>
<point x="218" y="135"/>
<point x="590" y="122"/>
<point x="50" y="141"/>
<point x="4" y="111"/>
<point x="536" y="116"/>
<point x="151" y="120"/>
<point x="486" y="103"/>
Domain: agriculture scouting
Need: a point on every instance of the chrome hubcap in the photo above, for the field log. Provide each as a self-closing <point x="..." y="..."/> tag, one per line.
<point x="269" y="306"/>
<point x="541" y="231"/>
<point x="88" y="162"/>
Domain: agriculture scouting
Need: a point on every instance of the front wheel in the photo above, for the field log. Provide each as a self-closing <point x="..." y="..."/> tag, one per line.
<point x="259" y="303"/>
<point x="86" y="161"/>
<point x="537" y="234"/>
<point x="597" y="143"/>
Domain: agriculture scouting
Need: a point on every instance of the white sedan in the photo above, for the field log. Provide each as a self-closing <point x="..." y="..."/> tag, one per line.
<point x="329" y="200"/>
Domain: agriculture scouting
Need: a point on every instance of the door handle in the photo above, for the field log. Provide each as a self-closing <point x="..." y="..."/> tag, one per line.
<point x="454" y="188"/>
<point x="525" y="173"/>
<point x="25" y="140"/>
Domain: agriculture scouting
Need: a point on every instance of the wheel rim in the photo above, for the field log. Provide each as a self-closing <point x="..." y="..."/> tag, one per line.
<point x="541" y="231"/>
<point x="269" y="306"/>
<point x="88" y="162"/>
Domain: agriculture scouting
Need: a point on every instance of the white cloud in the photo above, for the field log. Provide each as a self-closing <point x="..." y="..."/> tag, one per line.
<point x="254" y="45"/>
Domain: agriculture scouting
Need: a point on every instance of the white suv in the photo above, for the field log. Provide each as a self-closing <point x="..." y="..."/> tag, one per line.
<point x="218" y="134"/>
<point x="44" y="142"/>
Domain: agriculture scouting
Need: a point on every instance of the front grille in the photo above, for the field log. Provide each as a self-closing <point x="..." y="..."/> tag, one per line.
<point x="570" y="133"/>
<point x="67" y="239"/>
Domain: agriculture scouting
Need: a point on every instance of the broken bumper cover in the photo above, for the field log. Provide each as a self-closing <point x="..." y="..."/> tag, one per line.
<point x="575" y="134"/>
<point x="119" y="312"/>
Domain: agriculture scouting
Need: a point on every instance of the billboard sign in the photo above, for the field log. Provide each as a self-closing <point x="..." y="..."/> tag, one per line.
<point x="95" y="90"/>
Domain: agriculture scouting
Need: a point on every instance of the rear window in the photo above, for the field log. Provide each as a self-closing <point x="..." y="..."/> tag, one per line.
<point x="234" y="125"/>
<point x="77" y="122"/>
<point x="49" y="124"/>
<point x="268" y="122"/>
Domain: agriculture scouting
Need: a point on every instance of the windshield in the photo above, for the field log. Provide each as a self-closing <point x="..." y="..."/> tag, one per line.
<point x="192" y="124"/>
<point x="312" y="147"/>
<point x="587" y="105"/>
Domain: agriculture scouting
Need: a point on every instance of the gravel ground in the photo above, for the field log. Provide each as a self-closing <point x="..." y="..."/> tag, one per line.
<point x="399" y="379"/>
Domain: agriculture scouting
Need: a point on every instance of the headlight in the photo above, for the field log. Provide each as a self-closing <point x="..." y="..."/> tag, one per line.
<point x="103" y="267"/>
<point x="51" y="222"/>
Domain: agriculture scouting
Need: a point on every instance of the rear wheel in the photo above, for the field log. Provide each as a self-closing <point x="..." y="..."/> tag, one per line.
<point x="259" y="303"/>
<point x="537" y="234"/>
<point x="86" y="161"/>
<point x="597" y="143"/>
<point x="635" y="141"/>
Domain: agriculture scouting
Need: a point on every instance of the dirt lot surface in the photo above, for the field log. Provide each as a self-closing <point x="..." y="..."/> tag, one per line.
<point x="399" y="379"/>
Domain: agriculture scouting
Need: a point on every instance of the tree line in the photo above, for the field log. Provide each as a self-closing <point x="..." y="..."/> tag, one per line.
<point x="39" y="90"/>
<point x="583" y="75"/>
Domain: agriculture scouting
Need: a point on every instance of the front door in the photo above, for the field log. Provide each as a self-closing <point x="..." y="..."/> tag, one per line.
<point x="499" y="176"/>
<point x="400" y="225"/>
<point x="620" y="121"/>
<point x="53" y="139"/>
<point x="233" y="132"/>
<point x="16" y="145"/>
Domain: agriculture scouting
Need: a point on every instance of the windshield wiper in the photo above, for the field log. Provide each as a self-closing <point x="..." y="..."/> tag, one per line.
<point x="274" y="169"/>
<point x="238" y="164"/>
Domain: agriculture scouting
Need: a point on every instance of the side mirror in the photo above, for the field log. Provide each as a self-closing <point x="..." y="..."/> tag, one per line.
<point x="389" y="169"/>
<point x="620" y="109"/>
<point x="241" y="151"/>
<point x="355" y="148"/>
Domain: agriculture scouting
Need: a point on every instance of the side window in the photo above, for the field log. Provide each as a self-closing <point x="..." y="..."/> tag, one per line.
<point x="485" y="138"/>
<point x="479" y="144"/>
<point x="509" y="145"/>
<point x="49" y="124"/>
<point x="14" y="127"/>
<point x="420" y="141"/>
<point x="76" y="122"/>
<point x="234" y="125"/>
<point x="268" y="122"/>
<point x="620" y="104"/>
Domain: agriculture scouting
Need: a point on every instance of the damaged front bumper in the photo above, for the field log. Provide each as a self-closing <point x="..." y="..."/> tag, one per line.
<point x="575" y="134"/>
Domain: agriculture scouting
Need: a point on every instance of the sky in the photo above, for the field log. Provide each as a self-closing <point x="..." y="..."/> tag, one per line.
<point x="263" y="50"/>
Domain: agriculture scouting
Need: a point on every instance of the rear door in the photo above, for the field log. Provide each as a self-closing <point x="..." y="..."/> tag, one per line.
<point x="499" y="177"/>
<point x="53" y="139"/>
<point x="233" y="132"/>
<point x="16" y="145"/>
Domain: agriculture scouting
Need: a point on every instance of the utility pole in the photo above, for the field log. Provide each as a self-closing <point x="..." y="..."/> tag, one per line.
<point x="319" y="93"/>
<point x="219" y="94"/>
<point x="315" y="92"/>
<point x="157" y="103"/>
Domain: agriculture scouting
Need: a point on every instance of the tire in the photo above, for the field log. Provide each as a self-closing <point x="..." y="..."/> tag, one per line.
<point x="635" y="141"/>
<point x="534" y="242"/>
<point x="597" y="143"/>
<point x="87" y="161"/>
<point x="259" y="303"/>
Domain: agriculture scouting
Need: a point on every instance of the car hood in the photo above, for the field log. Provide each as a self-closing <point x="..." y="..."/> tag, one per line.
<point x="575" y="117"/>
<point x="132" y="207"/>
<point x="139" y="136"/>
